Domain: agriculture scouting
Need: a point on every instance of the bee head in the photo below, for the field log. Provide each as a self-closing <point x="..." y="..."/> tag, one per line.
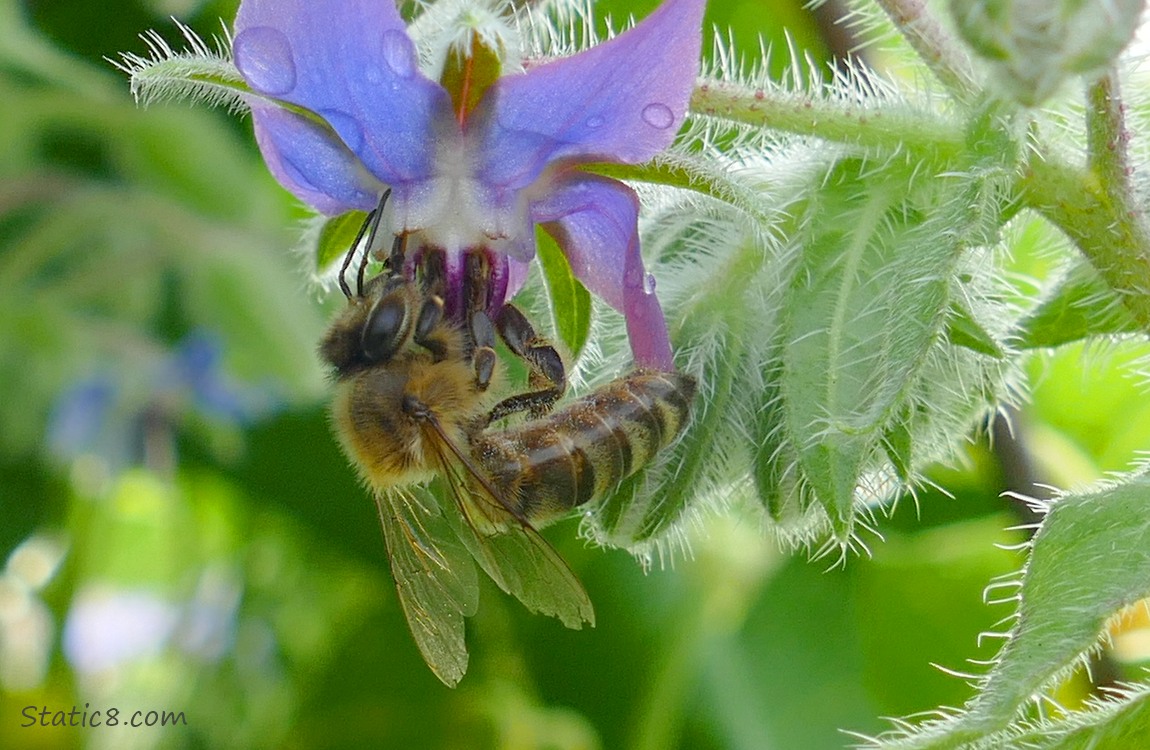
<point x="373" y="328"/>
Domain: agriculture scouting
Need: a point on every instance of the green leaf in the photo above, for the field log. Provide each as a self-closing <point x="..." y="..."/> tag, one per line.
<point x="1112" y="725"/>
<point x="898" y="444"/>
<point x="570" y="300"/>
<point x="1081" y="306"/>
<point x="865" y="306"/>
<point x="775" y="461"/>
<point x="336" y="238"/>
<point x="1089" y="559"/>
<point x="963" y="330"/>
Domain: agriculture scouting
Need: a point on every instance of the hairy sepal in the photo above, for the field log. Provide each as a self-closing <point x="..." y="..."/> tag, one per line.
<point x="198" y="73"/>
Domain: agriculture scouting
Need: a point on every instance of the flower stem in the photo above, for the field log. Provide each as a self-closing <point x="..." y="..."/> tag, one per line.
<point x="1097" y="218"/>
<point x="1107" y="139"/>
<point x="1095" y="206"/>
<point x="945" y="57"/>
<point x="867" y="125"/>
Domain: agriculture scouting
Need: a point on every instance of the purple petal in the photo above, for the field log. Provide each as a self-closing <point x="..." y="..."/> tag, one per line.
<point x="313" y="165"/>
<point x="595" y="220"/>
<point x="621" y="101"/>
<point x="517" y="272"/>
<point x="350" y="62"/>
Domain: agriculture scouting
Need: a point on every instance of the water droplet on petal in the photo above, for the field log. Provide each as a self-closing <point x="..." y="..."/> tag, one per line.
<point x="658" y="116"/>
<point x="399" y="53"/>
<point x="263" y="55"/>
<point x="649" y="283"/>
<point x="594" y="122"/>
<point x="346" y="126"/>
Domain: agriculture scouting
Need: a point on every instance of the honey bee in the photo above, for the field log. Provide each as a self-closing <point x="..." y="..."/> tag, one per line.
<point x="414" y="406"/>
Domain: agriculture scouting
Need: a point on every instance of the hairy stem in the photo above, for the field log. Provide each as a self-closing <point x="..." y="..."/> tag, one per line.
<point x="1094" y="206"/>
<point x="1107" y="139"/>
<point x="1110" y="235"/>
<point x="858" y="124"/>
<point x="945" y="57"/>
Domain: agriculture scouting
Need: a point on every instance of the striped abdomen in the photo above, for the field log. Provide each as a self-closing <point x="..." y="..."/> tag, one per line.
<point x="547" y="466"/>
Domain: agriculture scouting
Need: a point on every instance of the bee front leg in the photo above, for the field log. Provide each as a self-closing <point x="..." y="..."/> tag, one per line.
<point x="548" y="375"/>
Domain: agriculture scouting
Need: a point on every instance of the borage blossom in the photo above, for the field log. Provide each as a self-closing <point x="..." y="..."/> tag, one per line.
<point x="343" y="113"/>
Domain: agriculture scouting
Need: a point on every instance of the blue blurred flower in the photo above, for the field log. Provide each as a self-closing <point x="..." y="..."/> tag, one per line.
<point x="80" y="415"/>
<point x="196" y="368"/>
<point x="343" y="113"/>
<point x="104" y="414"/>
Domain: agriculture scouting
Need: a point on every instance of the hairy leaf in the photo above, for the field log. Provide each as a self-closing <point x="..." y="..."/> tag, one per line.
<point x="1082" y="306"/>
<point x="867" y="302"/>
<point x="1089" y="560"/>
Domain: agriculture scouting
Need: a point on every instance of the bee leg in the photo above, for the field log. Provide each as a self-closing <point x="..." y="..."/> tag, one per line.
<point x="483" y="338"/>
<point x="431" y="265"/>
<point x="545" y="363"/>
<point x="476" y="281"/>
<point x="397" y="257"/>
<point x="430" y="314"/>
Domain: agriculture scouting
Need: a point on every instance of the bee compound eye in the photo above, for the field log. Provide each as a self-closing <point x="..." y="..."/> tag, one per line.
<point x="384" y="331"/>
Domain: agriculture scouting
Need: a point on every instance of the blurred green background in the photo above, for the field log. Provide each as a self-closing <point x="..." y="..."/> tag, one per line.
<point x="180" y="533"/>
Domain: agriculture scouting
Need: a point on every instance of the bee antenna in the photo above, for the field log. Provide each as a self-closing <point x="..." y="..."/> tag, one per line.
<point x="373" y="219"/>
<point x="369" y="227"/>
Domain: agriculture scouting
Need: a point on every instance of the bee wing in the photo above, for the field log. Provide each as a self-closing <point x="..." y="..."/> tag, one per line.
<point x="526" y="566"/>
<point x="434" y="576"/>
<point x="516" y="557"/>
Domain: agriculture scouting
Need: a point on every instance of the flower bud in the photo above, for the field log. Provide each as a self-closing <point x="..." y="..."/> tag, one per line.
<point x="1032" y="46"/>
